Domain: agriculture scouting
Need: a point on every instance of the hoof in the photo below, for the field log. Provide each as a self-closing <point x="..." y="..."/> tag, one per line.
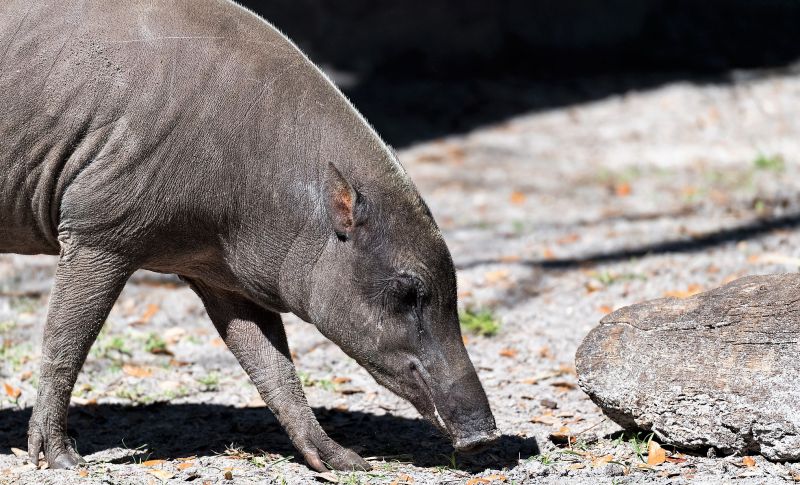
<point x="322" y="453"/>
<point x="65" y="461"/>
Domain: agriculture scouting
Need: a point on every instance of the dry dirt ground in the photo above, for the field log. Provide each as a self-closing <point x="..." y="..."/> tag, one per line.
<point x="554" y="219"/>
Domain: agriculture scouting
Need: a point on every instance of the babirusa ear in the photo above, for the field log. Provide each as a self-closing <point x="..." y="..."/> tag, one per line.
<point x="340" y="200"/>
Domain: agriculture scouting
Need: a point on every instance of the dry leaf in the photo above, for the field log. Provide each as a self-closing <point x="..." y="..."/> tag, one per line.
<point x="403" y="478"/>
<point x="161" y="474"/>
<point x="576" y="466"/>
<point x="601" y="461"/>
<point x="567" y="369"/>
<point x="341" y="380"/>
<point x="149" y="313"/>
<point x="676" y="459"/>
<point x="623" y="189"/>
<point x="655" y="454"/>
<point x="218" y="342"/>
<point x="592" y="286"/>
<point x="228" y="475"/>
<point x="548" y="253"/>
<point x="508" y="352"/>
<point x="455" y="153"/>
<point x="495" y="478"/>
<point x="153" y="462"/>
<point x="563" y="386"/>
<point x="562" y="437"/>
<point x="546" y="353"/>
<point x="12" y="391"/>
<point x="465" y="339"/>
<point x="691" y="290"/>
<point x="570" y="238"/>
<point x="429" y="158"/>
<point x="771" y="258"/>
<point x="496" y="276"/>
<point x="546" y="418"/>
<point x="136" y="371"/>
<point x="517" y="197"/>
<point x="185" y="465"/>
<point x="174" y="335"/>
<point x="748" y="461"/>
<point x="19" y="453"/>
<point x="83" y="473"/>
<point x="476" y="481"/>
<point x="605" y="309"/>
<point x="25" y="375"/>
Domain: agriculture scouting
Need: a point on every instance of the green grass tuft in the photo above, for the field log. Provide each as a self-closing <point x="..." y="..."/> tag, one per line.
<point x="209" y="381"/>
<point x="155" y="344"/>
<point x="773" y="163"/>
<point x="481" y="322"/>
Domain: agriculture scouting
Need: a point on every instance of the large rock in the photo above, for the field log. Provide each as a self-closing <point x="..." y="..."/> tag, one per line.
<point x="720" y="369"/>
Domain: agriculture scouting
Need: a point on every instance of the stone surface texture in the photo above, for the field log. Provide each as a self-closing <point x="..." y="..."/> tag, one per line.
<point x="719" y="369"/>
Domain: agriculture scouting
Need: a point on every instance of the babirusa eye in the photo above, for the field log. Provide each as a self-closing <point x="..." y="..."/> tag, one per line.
<point x="408" y="292"/>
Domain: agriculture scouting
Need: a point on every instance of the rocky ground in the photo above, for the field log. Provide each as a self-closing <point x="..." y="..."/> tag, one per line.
<point x="554" y="219"/>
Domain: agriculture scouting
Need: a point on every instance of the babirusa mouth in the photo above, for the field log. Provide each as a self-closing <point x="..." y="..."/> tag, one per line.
<point x="471" y="442"/>
<point x="476" y="443"/>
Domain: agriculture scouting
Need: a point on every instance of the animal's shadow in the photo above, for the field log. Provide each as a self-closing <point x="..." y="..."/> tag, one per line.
<point x="178" y="430"/>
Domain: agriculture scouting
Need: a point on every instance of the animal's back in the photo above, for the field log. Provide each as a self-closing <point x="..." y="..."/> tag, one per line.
<point x="123" y="96"/>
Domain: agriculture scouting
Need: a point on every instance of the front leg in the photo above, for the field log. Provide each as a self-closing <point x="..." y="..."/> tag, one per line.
<point x="257" y="339"/>
<point x="87" y="282"/>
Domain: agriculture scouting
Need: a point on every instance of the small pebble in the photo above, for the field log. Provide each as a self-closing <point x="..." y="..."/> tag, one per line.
<point x="549" y="404"/>
<point x="614" y="470"/>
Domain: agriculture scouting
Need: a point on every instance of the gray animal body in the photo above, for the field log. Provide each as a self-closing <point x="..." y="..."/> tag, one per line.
<point x="191" y="137"/>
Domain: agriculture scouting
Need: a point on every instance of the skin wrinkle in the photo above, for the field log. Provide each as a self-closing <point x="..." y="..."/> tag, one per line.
<point x="283" y="270"/>
<point x="56" y="58"/>
<point x="15" y="33"/>
<point x="268" y="84"/>
<point x="180" y="167"/>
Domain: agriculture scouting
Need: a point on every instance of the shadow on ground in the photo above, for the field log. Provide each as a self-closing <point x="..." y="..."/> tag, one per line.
<point x="419" y="69"/>
<point x="734" y="234"/>
<point x="171" y="431"/>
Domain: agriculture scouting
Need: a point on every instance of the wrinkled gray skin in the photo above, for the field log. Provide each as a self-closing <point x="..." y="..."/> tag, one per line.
<point x="192" y="138"/>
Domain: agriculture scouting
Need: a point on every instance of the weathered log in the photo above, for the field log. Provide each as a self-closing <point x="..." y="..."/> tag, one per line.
<point x="720" y="369"/>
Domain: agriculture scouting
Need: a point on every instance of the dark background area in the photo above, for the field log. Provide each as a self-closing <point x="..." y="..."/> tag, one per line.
<point x="419" y="69"/>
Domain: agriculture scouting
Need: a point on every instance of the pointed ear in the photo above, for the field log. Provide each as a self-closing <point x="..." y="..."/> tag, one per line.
<point x="340" y="200"/>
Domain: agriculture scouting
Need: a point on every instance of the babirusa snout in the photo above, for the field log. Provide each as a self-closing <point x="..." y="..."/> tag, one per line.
<point x="464" y="409"/>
